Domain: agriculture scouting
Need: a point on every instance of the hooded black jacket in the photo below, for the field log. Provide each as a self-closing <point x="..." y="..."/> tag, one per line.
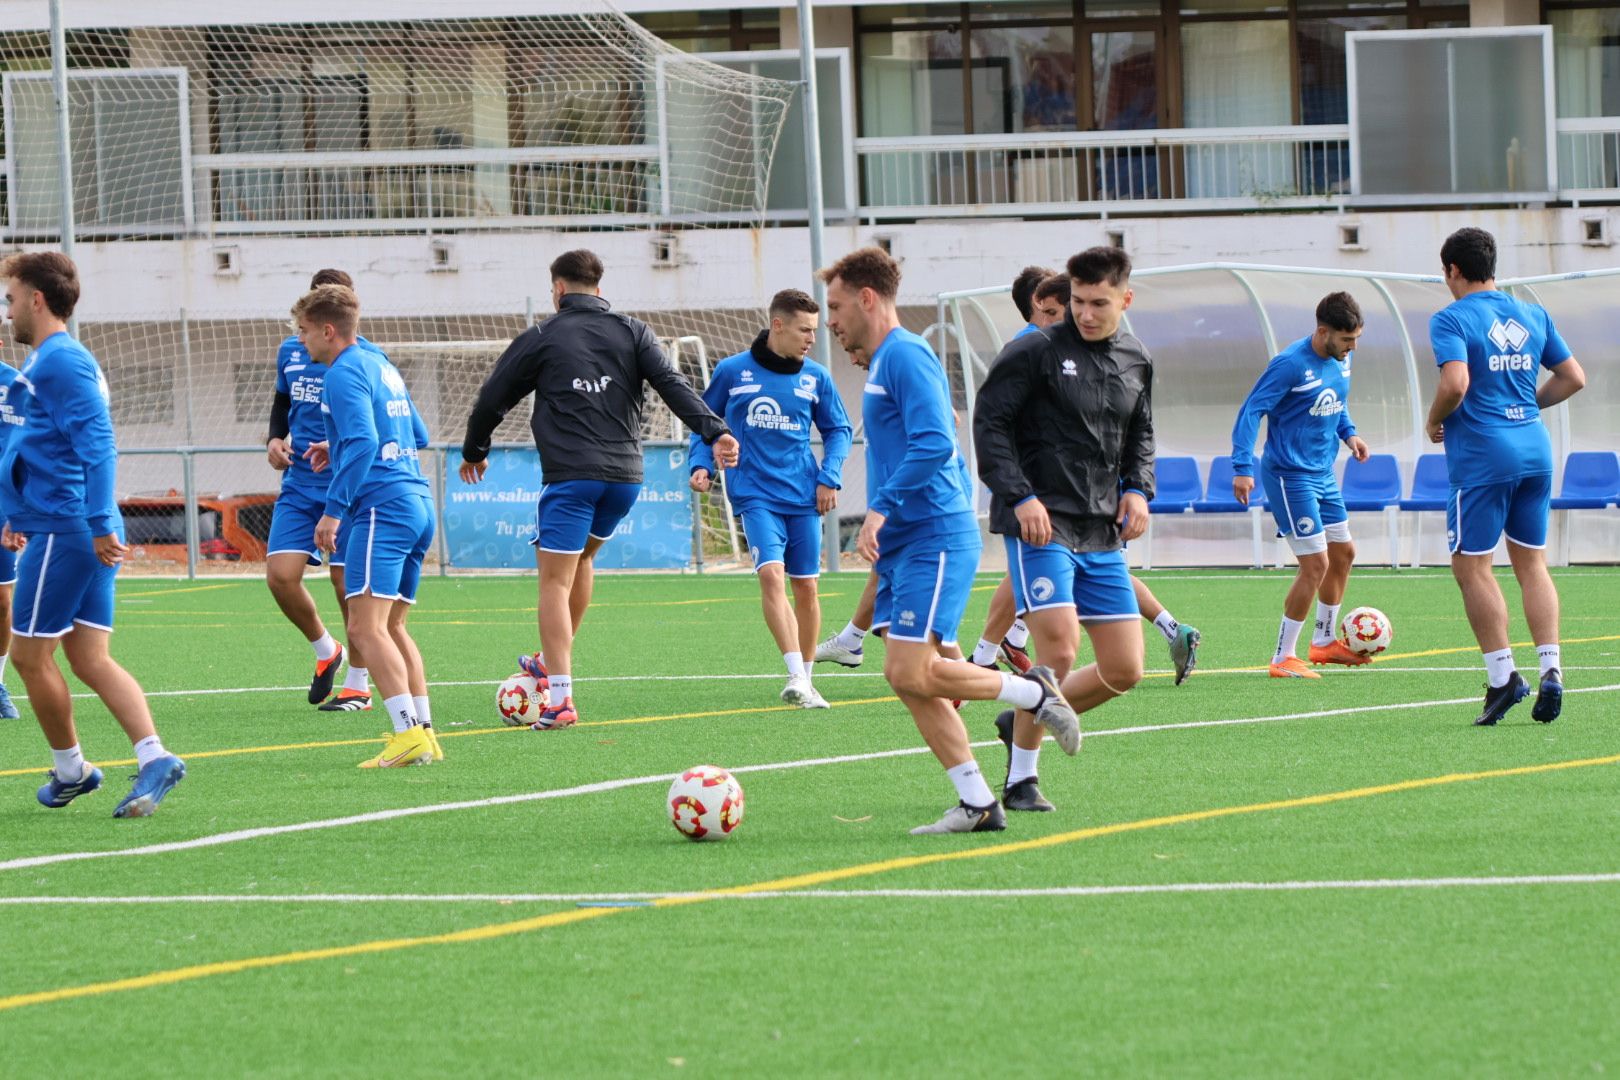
<point x="1070" y="421"/>
<point x="587" y="367"/>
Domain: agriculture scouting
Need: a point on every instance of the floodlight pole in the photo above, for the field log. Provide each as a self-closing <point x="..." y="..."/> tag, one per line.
<point x="815" y="209"/>
<point x="64" y="153"/>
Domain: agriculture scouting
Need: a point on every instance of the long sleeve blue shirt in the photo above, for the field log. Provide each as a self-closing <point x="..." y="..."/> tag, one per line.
<point x="58" y="468"/>
<point x="914" y="469"/>
<point x="771" y="414"/>
<point x="374" y="433"/>
<point x="1304" y="398"/>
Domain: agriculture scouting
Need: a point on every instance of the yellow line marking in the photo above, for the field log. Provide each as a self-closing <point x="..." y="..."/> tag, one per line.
<point x="1387" y="657"/>
<point x="796" y="881"/>
<point x="189" y="588"/>
<point x="237" y="751"/>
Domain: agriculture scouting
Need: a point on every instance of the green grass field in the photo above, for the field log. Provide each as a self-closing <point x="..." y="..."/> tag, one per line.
<point x="455" y="940"/>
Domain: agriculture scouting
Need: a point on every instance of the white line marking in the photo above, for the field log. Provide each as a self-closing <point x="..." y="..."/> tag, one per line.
<point x="825" y="894"/>
<point x="239" y="835"/>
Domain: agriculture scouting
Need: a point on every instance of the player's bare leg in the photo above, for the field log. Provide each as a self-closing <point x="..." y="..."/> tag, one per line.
<point x="1488" y="618"/>
<point x="996" y="641"/>
<point x="566" y="583"/>
<point x="845" y="647"/>
<point x="8" y="710"/>
<point x="786" y="630"/>
<point x="915" y="668"/>
<point x="1183" y="638"/>
<point x="284" y="573"/>
<point x="1118" y="667"/>
<point x="1296" y="609"/>
<point x="1326" y="648"/>
<point x="372" y="624"/>
<point x="1540" y="598"/>
<point x="807" y="612"/>
<point x="1056" y="634"/>
<point x="355" y="693"/>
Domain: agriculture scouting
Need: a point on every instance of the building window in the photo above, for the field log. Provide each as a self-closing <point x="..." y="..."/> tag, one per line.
<point x="716" y="31"/>
<point x="1586" y="58"/>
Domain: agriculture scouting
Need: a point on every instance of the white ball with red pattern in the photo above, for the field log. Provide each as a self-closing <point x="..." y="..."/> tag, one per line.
<point x="1366" y="631"/>
<point x="520" y="700"/>
<point x="705" y="803"/>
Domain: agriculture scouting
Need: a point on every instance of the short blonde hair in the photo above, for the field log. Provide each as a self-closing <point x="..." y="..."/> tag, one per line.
<point x="335" y="304"/>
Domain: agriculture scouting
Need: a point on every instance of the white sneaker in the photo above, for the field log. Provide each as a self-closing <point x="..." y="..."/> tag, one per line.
<point x="834" y="651"/>
<point x="798" y="691"/>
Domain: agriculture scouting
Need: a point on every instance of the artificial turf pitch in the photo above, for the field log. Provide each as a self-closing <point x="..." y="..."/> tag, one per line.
<point x="1371" y="775"/>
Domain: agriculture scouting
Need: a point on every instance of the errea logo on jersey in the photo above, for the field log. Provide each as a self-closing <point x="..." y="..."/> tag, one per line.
<point x="1509" y="337"/>
<point x="764" y="412"/>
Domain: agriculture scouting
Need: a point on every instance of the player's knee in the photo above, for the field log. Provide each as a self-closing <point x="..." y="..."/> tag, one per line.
<point x="1120" y="673"/>
<point x="1313" y="567"/>
<point x="908" y="678"/>
<point x="770" y="576"/>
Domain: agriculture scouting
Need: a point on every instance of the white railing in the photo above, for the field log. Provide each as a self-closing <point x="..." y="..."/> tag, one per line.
<point x="1196" y="168"/>
<point x="1589" y="157"/>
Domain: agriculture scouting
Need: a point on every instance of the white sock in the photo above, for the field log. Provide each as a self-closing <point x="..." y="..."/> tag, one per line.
<point x="401" y="710"/>
<point x="984" y="653"/>
<point x="355" y="680"/>
<point x="1547" y="654"/>
<point x="1327" y="624"/>
<point x="3" y="659"/>
<point x="1023" y="764"/>
<point x="325" y="647"/>
<point x="851" y="636"/>
<point x="1018" y="636"/>
<point x="149" y="750"/>
<point x="1167" y="626"/>
<point x="424" y="715"/>
<point x="970" y="785"/>
<point x="1019" y="692"/>
<point x="1287" y="638"/>
<point x="69" y="764"/>
<point x="795" y="664"/>
<point x="1499" y="667"/>
<point x="562" y="688"/>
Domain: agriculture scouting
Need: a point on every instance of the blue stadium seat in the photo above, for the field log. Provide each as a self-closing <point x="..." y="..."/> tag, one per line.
<point x="1372" y="484"/>
<point x="1375" y="485"/>
<point x="1176" y="484"/>
<point x="1591" y="481"/>
<point x="1218" y="500"/>
<point x="1430" y="485"/>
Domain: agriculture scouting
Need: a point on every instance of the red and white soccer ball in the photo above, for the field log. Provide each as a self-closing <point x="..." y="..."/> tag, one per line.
<point x="520" y="700"/>
<point x="1366" y="631"/>
<point x="705" y="803"/>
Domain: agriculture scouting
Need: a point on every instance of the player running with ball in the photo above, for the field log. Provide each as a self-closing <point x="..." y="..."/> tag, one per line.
<point x="922" y="538"/>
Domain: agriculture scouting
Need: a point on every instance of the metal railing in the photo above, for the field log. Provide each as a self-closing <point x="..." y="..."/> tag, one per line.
<point x="1589" y="157"/>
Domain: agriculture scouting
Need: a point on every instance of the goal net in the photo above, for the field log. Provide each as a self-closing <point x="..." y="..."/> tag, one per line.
<point x="441" y="162"/>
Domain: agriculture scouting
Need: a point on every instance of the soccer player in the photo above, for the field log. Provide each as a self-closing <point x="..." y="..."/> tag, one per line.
<point x="1064" y="430"/>
<point x="1487" y="412"/>
<point x="771" y="395"/>
<point x="56" y="491"/>
<point x="8" y="563"/>
<point x="921" y="536"/>
<point x="588" y="367"/>
<point x="1304" y="396"/>
<point x="1024" y="287"/>
<point x="373" y="434"/>
<point x="296" y="424"/>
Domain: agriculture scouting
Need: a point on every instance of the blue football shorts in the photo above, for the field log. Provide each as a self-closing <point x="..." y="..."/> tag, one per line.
<point x="292" y="526"/>
<point x="386" y="546"/>
<point x="1097" y="584"/>
<point x="8" y="567"/>
<point x="1476" y="517"/>
<point x="61" y="584"/>
<point x="923" y="588"/>
<point x="573" y="511"/>
<point x="1309" y="510"/>
<point x="794" y="540"/>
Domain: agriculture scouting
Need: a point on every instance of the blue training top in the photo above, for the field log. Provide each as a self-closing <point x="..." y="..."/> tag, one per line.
<point x="915" y="473"/>
<point x="1496" y="434"/>
<point x="1304" y="398"/>
<point x="58" y="467"/>
<point x="771" y="413"/>
<point x="301" y="379"/>
<point x="374" y="432"/>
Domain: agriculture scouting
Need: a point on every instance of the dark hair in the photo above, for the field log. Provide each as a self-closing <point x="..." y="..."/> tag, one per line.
<point x="1472" y="251"/>
<point x="1055" y="287"/>
<point x="49" y="273"/>
<point x="1339" y="311"/>
<point x="867" y="268"/>
<point x="1094" y="266"/>
<point x="331" y="277"/>
<point x="335" y="304"/>
<point x="578" y="267"/>
<point x="789" y="301"/>
<point x="1024" y="286"/>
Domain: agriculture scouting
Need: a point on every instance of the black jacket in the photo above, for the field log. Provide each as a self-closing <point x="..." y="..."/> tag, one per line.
<point x="586" y="366"/>
<point x="1070" y="421"/>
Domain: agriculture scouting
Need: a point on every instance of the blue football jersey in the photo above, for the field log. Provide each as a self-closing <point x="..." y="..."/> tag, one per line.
<point x="1496" y="434"/>
<point x="914" y="470"/>
<point x="374" y="430"/>
<point x="1304" y="399"/>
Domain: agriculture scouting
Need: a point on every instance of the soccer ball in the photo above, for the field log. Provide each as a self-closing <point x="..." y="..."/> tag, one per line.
<point x="520" y="700"/>
<point x="706" y="803"/>
<point x="1366" y="631"/>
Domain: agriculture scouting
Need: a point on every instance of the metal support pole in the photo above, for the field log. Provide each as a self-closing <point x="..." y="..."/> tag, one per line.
<point x="64" y="152"/>
<point x="696" y="501"/>
<point x="439" y="483"/>
<point x="816" y="210"/>
<point x="185" y="353"/>
<point x="188" y="480"/>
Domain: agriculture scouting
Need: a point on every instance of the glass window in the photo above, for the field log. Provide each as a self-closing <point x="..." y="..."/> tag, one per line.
<point x="1030" y="10"/>
<point x="1125" y="80"/>
<point x="1023" y="79"/>
<point x="1354" y="5"/>
<point x="1323" y="91"/>
<point x="911" y="83"/>
<point x="1107" y="9"/>
<point x="908" y="14"/>
<point x="1235" y="74"/>
<point x="1586" y="59"/>
<point x="1231" y="7"/>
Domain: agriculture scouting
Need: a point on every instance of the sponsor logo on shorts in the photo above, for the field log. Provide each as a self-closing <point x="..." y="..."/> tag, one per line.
<point x="908" y="618"/>
<point x="1042" y="589"/>
<point x="1305" y="526"/>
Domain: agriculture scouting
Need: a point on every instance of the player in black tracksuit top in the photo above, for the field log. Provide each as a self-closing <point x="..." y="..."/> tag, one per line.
<point x="587" y="367"/>
<point x="1063" y="429"/>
